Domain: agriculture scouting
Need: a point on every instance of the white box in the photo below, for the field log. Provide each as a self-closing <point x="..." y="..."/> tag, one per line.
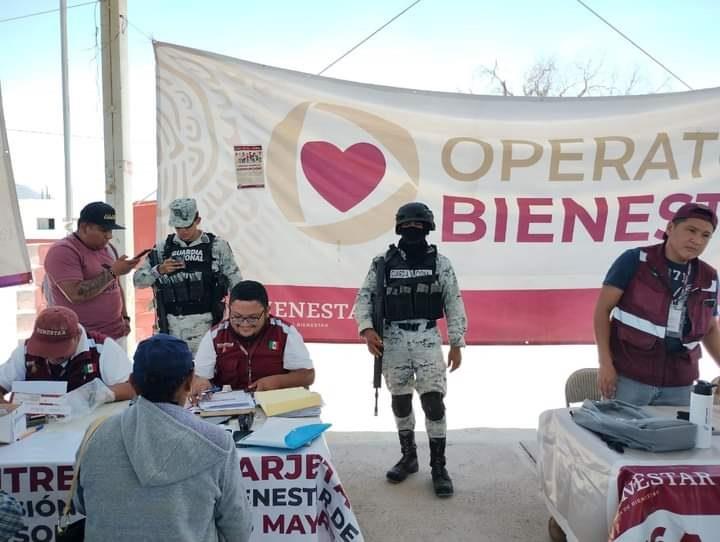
<point x="12" y="422"/>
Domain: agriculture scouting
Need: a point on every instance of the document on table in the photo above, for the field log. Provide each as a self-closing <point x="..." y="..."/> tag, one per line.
<point x="228" y="400"/>
<point x="284" y="433"/>
<point x="278" y="402"/>
<point x="41" y="396"/>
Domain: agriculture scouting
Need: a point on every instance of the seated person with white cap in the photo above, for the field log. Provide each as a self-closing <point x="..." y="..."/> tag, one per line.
<point x="61" y="349"/>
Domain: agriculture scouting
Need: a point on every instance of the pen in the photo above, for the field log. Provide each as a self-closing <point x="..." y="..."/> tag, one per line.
<point x="210" y="391"/>
<point x="31" y="431"/>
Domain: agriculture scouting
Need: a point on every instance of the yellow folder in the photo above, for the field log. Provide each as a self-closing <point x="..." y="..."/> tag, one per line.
<point x="276" y="402"/>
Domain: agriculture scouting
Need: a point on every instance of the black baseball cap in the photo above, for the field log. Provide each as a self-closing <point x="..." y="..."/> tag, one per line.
<point x="100" y="213"/>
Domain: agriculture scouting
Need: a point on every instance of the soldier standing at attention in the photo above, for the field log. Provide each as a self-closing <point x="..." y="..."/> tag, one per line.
<point x="191" y="272"/>
<point x="420" y="288"/>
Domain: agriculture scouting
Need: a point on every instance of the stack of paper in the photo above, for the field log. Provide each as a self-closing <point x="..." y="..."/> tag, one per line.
<point x="278" y="402"/>
<point x="284" y="433"/>
<point x="227" y="403"/>
<point x="41" y="396"/>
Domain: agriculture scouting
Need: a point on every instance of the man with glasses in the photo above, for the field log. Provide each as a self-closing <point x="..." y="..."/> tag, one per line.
<point x="81" y="273"/>
<point x="252" y="350"/>
<point x="190" y="272"/>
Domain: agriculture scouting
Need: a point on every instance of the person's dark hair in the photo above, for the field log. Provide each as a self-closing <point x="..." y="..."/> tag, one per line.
<point x="160" y="388"/>
<point x="249" y="290"/>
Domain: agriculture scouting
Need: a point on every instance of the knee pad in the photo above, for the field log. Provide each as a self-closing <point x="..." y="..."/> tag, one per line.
<point x="433" y="405"/>
<point x="402" y="405"/>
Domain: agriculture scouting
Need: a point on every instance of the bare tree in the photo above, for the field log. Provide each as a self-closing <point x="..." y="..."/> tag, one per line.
<point x="546" y="77"/>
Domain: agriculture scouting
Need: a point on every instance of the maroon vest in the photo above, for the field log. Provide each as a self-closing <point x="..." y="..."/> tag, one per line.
<point x="78" y="371"/>
<point x="238" y="361"/>
<point x="637" y="339"/>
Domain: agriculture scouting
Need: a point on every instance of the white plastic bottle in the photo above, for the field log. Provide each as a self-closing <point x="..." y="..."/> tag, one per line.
<point x="701" y="407"/>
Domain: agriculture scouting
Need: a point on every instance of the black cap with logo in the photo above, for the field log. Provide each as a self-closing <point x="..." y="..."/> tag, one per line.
<point x="100" y="213"/>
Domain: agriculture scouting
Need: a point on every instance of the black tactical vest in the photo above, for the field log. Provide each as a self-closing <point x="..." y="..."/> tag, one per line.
<point x="192" y="290"/>
<point x="412" y="291"/>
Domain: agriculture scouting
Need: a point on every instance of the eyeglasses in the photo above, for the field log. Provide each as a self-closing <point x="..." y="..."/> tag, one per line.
<point x="252" y="319"/>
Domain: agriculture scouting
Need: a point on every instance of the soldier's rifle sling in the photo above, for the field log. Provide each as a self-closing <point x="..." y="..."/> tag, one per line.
<point x="160" y="314"/>
<point x="379" y="323"/>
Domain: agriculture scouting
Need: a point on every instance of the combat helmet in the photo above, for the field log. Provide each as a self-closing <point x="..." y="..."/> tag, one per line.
<point x="414" y="212"/>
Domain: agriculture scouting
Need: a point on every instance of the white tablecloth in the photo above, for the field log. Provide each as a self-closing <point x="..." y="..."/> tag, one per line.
<point x="294" y="495"/>
<point x="579" y="481"/>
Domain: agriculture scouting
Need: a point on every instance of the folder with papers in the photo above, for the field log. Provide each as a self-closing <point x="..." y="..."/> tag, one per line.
<point x="284" y="433"/>
<point x="275" y="402"/>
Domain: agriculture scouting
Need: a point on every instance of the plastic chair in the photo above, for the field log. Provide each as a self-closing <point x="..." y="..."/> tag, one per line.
<point x="581" y="385"/>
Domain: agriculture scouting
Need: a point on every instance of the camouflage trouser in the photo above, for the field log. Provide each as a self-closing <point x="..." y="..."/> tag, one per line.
<point x="413" y="360"/>
<point x="190" y="328"/>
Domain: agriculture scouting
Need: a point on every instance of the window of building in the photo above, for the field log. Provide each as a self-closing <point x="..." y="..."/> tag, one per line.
<point x="46" y="223"/>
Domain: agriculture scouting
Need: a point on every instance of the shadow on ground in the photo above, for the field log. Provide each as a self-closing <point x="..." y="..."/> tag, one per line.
<point x="497" y="496"/>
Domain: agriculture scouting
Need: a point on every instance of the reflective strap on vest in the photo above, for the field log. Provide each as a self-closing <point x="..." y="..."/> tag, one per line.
<point x="711" y="288"/>
<point x="641" y="324"/>
<point x="646" y="326"/>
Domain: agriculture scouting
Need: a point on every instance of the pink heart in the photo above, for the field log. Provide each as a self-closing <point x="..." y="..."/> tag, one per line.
<point x="346" y="178"/>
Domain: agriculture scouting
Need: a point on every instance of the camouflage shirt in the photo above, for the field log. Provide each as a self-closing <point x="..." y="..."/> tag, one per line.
<point x="223" y="261"/>
<point x="452" y="300"/>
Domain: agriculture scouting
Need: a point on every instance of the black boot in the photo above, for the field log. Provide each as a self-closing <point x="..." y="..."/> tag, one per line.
<point x="442" y="484"/>
<point x="408" y="463"/>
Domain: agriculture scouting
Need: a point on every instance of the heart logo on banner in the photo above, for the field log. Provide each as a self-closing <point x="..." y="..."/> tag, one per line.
<point x="342" y="178"/>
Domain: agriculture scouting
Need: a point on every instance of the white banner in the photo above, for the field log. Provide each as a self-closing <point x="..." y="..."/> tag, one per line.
<point x="303" y="175"/>
<point x="14" y="259"/>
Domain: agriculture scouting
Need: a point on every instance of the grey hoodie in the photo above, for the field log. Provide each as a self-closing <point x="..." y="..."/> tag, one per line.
<point x="155" y="472"/>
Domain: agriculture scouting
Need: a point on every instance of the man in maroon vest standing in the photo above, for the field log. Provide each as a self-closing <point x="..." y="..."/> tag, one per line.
<point x="252" y="349"/>
<point x="657" y="304"/>
<point x="63" y="350"/>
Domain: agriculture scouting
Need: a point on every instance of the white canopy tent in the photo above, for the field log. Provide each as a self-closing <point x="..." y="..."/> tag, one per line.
<point x="14" y="260"/>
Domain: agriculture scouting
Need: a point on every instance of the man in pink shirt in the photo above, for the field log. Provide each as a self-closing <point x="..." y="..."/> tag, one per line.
<point x="81" y="273"/>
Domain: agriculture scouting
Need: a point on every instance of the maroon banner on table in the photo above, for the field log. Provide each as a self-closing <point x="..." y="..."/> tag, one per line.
<point x="297" y="496"/>
<point x="676" y="503"/>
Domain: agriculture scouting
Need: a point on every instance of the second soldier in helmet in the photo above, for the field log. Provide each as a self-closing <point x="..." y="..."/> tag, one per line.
<point x="420" y="289"/>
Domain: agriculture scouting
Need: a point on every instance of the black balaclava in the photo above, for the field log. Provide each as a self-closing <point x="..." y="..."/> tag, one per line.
<point x="413" y="243"/>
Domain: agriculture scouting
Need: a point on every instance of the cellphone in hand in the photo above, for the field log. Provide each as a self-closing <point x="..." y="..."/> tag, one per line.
<point x="141" y="253"/>
<point x="179" y="259"/>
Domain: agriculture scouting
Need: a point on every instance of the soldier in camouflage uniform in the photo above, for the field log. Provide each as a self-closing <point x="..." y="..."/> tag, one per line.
<point x="420" y="288"/>
<point x="191" y="272"/>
